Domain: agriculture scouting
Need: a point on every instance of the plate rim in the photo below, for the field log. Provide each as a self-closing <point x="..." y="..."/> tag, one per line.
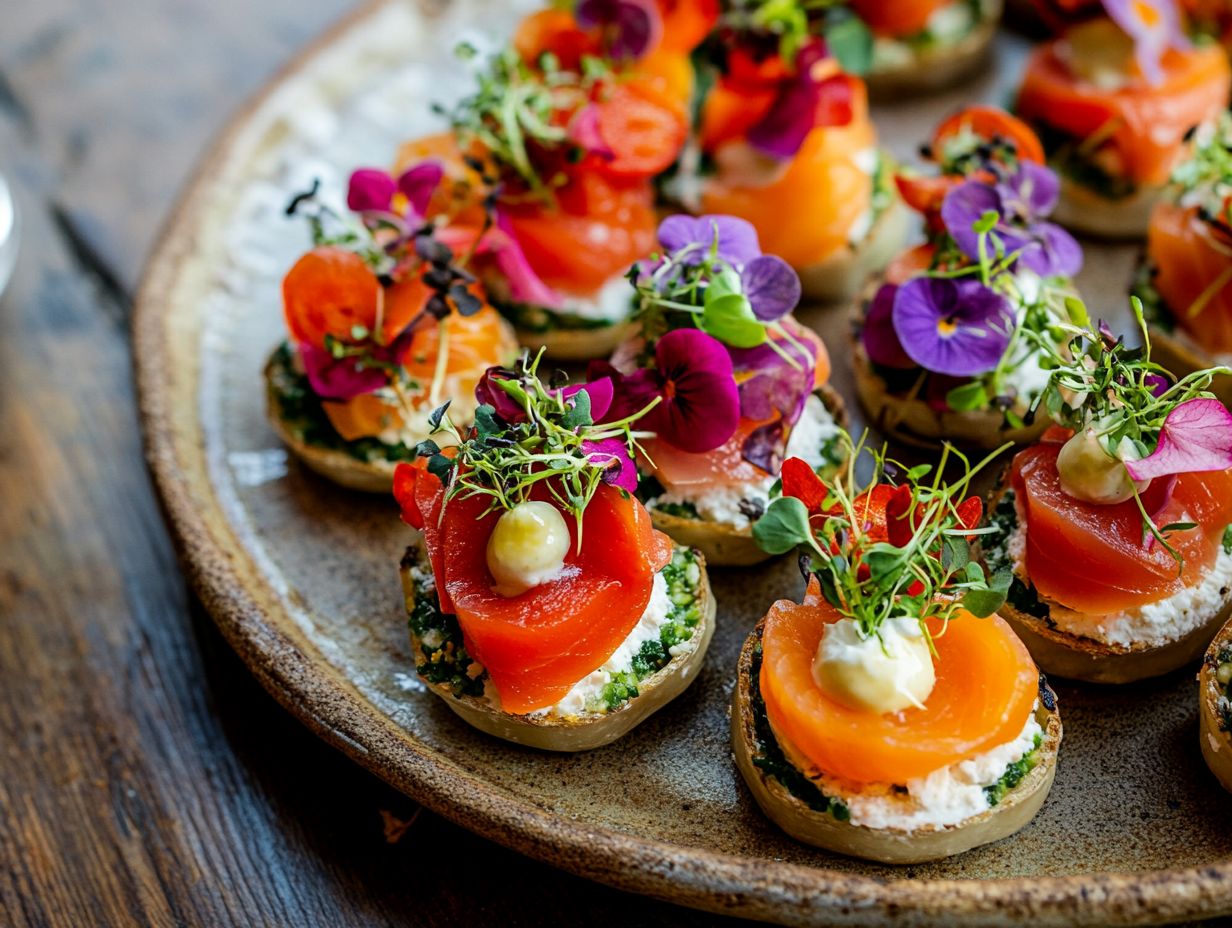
<point x="334" y="710"/>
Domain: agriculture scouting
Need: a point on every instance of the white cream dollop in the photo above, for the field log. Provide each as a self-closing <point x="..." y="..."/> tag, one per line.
<point x="881" y="673"/>
<point x="1089" y="473"/>
<point x="527" y="547"/>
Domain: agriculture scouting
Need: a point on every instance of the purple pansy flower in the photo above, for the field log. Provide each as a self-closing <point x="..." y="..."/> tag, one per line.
<point x="737" y="238"/>
<point x="881" y="342"/>
<point x="1196" y="436"/>
<point x="957" y="327"/>
<point x="771" y="286"/>
<point x="1020" y="202"/>
<point x="631" y="27"/>
<point x="1154" y="26"/>
<point x="699" y="406"/>
<point x="772" y="389"/>
<point x="804" y="103"/>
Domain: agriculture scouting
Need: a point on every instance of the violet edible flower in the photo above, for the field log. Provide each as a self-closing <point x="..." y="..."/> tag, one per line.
<point x="1195" y="436"/>
<point x="631" y="27"/>
<point x="1020" y="203"/>
<point x="1154" y="26"/>
<point x="880" y="340"/>
<point x="737" y="242"/>
<point x="957" y="327"/>
<point x="771" y="286"/>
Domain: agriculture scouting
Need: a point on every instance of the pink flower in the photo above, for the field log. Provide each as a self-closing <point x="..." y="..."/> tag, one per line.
<point x="613" y="456"/>
<point x="1196" y="436"/>
<point x="372" y="190"/>
<point x="338" y="378"/>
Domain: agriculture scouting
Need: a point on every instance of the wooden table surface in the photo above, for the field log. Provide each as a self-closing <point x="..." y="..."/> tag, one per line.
<point x="145" y="778"/>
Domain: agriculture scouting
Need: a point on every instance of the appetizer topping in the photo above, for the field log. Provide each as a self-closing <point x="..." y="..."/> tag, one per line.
<point x="1115" y="122"/>
<point x="960" y="313"/>
<point x="527" y="547"/>
<point x="1221" y="661"/>
<point x="888" y="672"/>
<point x="535" y="445"/>
<point x="718" y="345"/>
<point x="1189" y="243"/>
<point x="1126" y="504"/>
<point x="888" y="564"/>
<point x="385" y="321"/>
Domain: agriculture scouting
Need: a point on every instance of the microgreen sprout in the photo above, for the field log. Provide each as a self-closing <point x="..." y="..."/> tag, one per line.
<point x="1129" y="404"/>
<point x="547" y="438"/>
<point x="898" y="545"/>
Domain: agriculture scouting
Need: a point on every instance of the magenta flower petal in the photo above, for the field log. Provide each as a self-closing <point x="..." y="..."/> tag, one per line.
<point x="487" y="392"/>
<point x="370" y="189"/>
<point x="632" y="27"/>
<point x="601" y="393"/>
<point x="802" y="105"/>
<point x="338" y="379"/>
<point x="613" y="456"/>
<point x="418" y="184"/>
<point x="1196" y="436"/>
<point x="881" y="342"/>
<point x="771" y="286"/>
<point x="959" y="328"/>
<point x="525" y="286"/>
<point x="1154" y="25"/>
<point x="737" y="238"/>
<point x="701" y="405"/>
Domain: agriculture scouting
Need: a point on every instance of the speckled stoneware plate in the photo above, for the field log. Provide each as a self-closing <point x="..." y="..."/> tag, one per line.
<point x="302" y="578"/>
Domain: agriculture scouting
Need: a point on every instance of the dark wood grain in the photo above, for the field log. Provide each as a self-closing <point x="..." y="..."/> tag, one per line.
<point x="145" y="778"/>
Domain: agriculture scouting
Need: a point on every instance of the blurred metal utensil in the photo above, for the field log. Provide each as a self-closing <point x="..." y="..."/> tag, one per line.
<point x="9" y="228"/>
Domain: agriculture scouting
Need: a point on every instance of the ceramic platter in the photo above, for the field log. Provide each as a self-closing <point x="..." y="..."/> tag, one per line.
<point x="302" y="577"/>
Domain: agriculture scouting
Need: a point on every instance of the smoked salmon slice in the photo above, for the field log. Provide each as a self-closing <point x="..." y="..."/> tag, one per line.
<point x="897" y="17"/>
<point x="985" y="690"/>
<point x="805" y="210"/>
<point x="537" y="645"/>
<point x="1093" y="558"/>
<point x="1138" y="130"/>
<point x="1193" y="265"/>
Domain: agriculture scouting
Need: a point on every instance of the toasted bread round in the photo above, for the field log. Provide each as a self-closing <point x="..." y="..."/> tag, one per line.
<point x="577" y="344"/>
<point x="721" y="543"/>
<point x="344" y="469"/>
<point x="589" y="729"/>
<point x="913" y="422"/>
<point x="1075" y="657"/>
<point x="941" y="66"/>
<point x="1216" y="741"/>
<point x="841" y="275"/>
<point x="1179" y="354"/>
<point x="885" y="845"/>
<point x="1122" y="219"/>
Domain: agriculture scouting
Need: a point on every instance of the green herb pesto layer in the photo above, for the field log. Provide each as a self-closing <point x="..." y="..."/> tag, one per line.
<point x="300" y="411"/>
<point x="1022" y="596"/>
<point x="1223" y="679"/>
<point x="443" y="659"/>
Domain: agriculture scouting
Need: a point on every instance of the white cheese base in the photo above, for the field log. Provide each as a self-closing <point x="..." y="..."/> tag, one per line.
<point x="815" y="427"/>
<point x="590" y="687"/>
<point x="944" y="797"/>
<point x="1155" y="624"/>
